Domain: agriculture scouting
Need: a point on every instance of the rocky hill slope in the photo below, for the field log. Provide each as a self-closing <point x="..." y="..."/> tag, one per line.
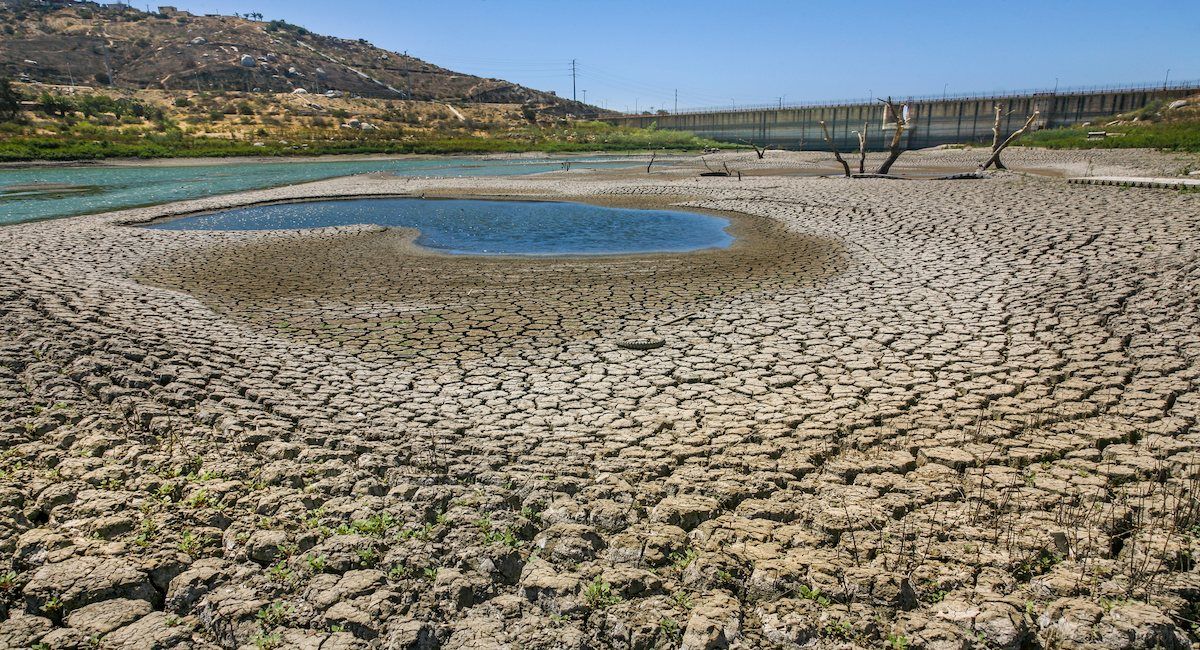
<point x="122" y="47"/>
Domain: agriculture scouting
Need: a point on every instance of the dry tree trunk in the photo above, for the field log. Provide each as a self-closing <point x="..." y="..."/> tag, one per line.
<point x="862" y="148"/>
<point x="996" y="135"/>
<point x="995" y="159"/>
<point x="761" y="152"/>
<point x="845" y="165"/>
<point x="894" y="149"/>
<point x="652" y="155"/>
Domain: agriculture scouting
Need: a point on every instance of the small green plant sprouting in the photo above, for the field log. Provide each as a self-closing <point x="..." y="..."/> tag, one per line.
<point x="531" y="514"/>
<point x="669" y="628"/>
<point x="399" y="572"/>
<point x="54" y="604"/>
<point x="198" y="499"/>
<point x="146" y="532"/>
<point x="266" y="640"/>
<point x="367" y="556"/>
<point x="681" y="561"/>
<point x="430" y="573"/>
<point x="683" y="599"/>
<point x="313" y="518"/>
<point x="316" y="563"/>
<point x="813" y="594"/>
<point x="506" y="537"/>
<point x="288" y="549"/>
<point x="279" y="572"/>
<point x="840" y="630"/>
<point x="8" y="581"/>
<point x="599" y="594"/>
<point x="897" y="641"/>
<point x="273" y="614"/>
<point x="189" y="543"/>
<point x="377" y="525"/>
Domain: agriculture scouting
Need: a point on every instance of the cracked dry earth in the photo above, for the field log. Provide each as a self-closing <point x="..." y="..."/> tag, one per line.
<point x="927" y="414"/>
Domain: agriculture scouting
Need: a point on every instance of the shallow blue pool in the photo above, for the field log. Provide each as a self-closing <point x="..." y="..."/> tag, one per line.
<point x="479" y="227"/>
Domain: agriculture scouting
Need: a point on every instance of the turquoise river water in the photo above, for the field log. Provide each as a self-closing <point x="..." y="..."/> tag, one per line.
<point x="46" y="192"/>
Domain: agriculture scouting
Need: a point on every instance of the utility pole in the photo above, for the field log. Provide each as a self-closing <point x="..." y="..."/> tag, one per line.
<point x="584" y="91"/>
<point x="1166" y="78"/>
<point x="677" y="101"/>
<point x="572" y="79"/>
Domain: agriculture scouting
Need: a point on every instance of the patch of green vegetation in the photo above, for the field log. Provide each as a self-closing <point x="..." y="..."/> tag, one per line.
<point x="1171" y="135"/>
<point x="274" y="614"/>
<point x="599" y="594"/>
<point x="92" y="139"/>
<point x="813" y="594"/>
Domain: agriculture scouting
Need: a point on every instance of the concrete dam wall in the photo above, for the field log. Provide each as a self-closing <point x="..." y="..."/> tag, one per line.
<point x="931" y="121"/>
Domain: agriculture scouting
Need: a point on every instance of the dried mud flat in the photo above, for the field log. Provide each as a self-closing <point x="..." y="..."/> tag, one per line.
<point x="934" y="414"/>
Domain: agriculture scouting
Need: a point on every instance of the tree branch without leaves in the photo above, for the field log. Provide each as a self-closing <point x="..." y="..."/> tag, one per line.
<point x="761" y="151"/>
<point x="895" y="148"/>
<point x="995" y="159"/>
<point x="845" y="165"/>
<point x="862" y="148"/>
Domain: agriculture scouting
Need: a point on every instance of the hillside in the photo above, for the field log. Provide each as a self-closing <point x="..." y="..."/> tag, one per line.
<point x="116" y="46"/>
<point x="92" y="81"/>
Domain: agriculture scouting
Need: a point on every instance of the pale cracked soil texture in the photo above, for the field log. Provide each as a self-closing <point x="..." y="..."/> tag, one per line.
<point x="906" y="414"/>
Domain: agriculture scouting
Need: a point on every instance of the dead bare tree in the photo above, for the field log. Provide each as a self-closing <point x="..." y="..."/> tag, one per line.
<point x="862" y="149"/>
<point x="998" y="147"/>
<point x="896" y="147"/>
<point x="651" y="163"/>
<point x="761" y="151"/>
<point x="996" y="134"/>
<point x="832" y="146"/>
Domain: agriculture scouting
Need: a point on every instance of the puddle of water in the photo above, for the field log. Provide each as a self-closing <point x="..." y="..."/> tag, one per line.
<point x="484" y="227"/>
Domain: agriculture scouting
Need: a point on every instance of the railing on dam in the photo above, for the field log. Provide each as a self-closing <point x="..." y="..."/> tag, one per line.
<point x="933" y="120"/>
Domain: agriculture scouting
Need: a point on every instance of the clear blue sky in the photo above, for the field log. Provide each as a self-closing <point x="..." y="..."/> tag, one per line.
<point x="756" y="51"/>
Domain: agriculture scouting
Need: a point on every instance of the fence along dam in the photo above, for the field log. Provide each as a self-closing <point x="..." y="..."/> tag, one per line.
<point x="932" y="120"/>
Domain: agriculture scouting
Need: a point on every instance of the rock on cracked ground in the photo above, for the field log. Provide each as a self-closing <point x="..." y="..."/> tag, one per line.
<point x="928" y="414"/>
